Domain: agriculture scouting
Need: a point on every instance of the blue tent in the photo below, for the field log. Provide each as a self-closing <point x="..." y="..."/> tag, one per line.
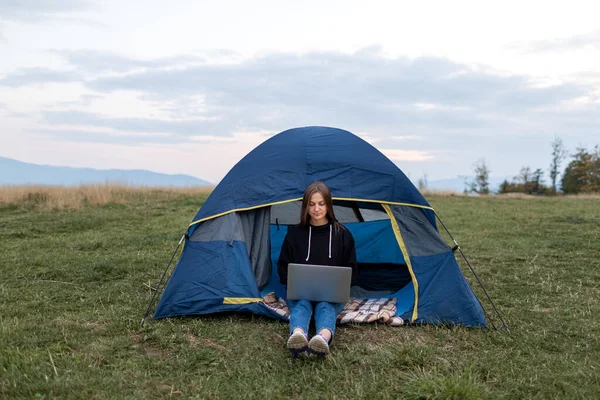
<point x="229" y="260"/>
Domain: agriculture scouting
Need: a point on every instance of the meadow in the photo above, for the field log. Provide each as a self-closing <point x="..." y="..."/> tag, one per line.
<point x="78" y="265"/>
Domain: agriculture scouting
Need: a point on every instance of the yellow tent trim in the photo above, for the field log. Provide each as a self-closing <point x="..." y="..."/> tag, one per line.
<point x="244" y="209"/>
<point x="300" y="198"/>
<point x="406" y="258"/>
<point x="385" y="202"/>
<point x="241" y="300"/>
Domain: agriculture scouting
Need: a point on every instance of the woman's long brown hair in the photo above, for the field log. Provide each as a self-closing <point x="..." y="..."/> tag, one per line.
<point x="318" y="187"/>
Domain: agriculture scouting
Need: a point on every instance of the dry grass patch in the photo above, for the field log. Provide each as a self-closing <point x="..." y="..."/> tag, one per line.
<point x="584" y="196"/>
<point x="77" y="197"/>
<point x="441" y="193"/>
<point x="517" y="196"/>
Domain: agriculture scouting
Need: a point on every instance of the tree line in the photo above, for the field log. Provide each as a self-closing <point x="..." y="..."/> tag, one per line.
<point x="581" y="175"/>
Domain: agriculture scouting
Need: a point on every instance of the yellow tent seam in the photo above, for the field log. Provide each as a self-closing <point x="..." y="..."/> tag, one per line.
<point x="241" y="300"/>
<point x="406" y="258"/>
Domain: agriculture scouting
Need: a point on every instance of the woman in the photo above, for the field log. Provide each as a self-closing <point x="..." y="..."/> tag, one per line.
<point x="319" y="239"/>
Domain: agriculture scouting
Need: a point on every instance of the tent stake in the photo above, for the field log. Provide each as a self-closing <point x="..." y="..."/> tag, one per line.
<point x="160" y="282"/>
<point x="476" y="277"/>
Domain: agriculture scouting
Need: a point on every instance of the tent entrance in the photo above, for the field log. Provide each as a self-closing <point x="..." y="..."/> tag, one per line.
<point x="382" y="269"/>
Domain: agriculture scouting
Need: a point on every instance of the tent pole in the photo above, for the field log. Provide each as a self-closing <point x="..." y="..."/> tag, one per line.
<point x="474" y="274"/>
<point x="160" y="282"/>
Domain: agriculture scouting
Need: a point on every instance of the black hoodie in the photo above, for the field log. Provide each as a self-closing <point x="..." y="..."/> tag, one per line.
<point x="326" y="247"/>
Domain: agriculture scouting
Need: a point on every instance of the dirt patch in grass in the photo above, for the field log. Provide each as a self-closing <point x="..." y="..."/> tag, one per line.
<point x="197" y="342"/>
<point x="95" y="324"/>
<point x="544" y="310"/>
<point x="149" y="346"/>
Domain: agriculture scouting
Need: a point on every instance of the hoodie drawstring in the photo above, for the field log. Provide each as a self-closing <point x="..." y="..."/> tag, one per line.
<point x="329" y="241"/>
<point x="310" y="236"/>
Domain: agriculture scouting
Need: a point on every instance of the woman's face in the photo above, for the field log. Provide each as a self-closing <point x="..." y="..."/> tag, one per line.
<point x="317" y="209"/>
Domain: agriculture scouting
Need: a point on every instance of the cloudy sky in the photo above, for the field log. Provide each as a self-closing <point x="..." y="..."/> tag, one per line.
<point x="192" y="86"/>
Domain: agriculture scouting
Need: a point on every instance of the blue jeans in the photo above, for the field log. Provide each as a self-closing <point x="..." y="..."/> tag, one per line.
<point x="325" y="315"/>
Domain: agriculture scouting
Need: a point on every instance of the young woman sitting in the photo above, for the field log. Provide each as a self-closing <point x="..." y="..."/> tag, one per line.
<point x="321" y="240"/>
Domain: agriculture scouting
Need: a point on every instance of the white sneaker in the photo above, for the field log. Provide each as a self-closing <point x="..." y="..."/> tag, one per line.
<point x="297" y="343"/>
<point x="319" y="346"/>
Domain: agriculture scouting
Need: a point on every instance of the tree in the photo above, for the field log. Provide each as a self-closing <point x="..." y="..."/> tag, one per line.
<point x="505" y="187"/>
<point x="481" y="183"/>
<point x="583" y="173"/>
<point x="423" y="183"/>
<point x="524" y="175"/>
<point x="558" y="155"/>
<point x="537" y="182"/>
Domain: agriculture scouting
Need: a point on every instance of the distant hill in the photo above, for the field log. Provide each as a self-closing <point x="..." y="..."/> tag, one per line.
<point x="13" y="172"/>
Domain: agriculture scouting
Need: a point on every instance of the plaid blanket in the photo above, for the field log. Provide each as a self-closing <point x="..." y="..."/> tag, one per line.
<point x="276" y="304"/>
<point x="357" y="310"/>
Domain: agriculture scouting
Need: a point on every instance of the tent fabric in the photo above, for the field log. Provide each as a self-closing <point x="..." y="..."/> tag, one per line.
<point x="207" y="272"/>
<point x="445" y="297"/>
<point x="250" y="227"/>
<point x="229" y="260"/>
<point x="441" y="283"/>
<point x="283" y="166"/>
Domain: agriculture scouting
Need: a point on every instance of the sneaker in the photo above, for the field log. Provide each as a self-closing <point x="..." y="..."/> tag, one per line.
<point x="319" y="346"/>
<point x="297" y="343"/>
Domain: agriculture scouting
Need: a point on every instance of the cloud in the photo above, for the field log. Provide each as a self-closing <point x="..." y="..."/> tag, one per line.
<point x="406" y="155"/>
<point x="407" y="137"/>
<point x="139" y="125"/>
<point x="93" y="61"/>
<point x="417" y="110"/>
<point x="346" y="82"/>
<point x="83" y="100"/>
<point x="361" y="92"/>
<point x="33" y="76"/>
<point x="252" y="137"/>
<point x="589" y="39"/>
<point x="91" y="136"/>
<point x="356" y="87"/>
<point x="35" y="10"/>
<point x="367" y="137"/>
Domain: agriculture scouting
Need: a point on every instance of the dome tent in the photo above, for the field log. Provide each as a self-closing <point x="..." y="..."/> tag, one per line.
<point x="229" y="260"/>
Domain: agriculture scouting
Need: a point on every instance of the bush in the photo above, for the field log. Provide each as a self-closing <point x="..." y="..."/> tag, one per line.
<point x="526" y="182"/>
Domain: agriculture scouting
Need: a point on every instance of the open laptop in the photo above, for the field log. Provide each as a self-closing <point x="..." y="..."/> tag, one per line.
<point x="319" y="283"/>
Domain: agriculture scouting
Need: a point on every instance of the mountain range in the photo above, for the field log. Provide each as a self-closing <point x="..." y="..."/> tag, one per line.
<point x="13" y="172"/>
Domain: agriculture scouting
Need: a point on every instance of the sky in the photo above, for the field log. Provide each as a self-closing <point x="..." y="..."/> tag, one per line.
<point x="190" y="87"/>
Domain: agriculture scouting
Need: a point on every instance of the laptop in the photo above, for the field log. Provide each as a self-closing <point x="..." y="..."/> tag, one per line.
<point x="319" y="283"/>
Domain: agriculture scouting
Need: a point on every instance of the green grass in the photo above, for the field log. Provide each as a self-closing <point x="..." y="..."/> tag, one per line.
<point x="74" y="285"/>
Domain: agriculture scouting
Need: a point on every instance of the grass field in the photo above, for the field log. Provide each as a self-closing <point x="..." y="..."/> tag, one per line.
<point x="75" y="281"/>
